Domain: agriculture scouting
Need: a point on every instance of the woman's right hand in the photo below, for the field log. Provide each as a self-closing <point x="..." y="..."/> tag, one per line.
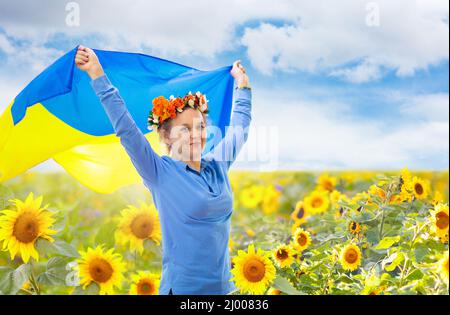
<point x="239" y="74"/>
<point x="86" y="60"/>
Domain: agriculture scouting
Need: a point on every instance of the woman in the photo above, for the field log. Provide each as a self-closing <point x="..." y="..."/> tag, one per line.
<point x="191" y="190"/>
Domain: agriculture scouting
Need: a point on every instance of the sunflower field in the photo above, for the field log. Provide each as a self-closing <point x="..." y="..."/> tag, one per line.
<point x="295" y="233"/>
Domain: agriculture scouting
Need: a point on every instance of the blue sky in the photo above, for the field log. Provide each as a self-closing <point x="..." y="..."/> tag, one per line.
<point x="359" y="86"/>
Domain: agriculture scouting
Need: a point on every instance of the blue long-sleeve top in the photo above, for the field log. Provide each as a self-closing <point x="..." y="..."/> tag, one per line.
<point x="194" y="207"/>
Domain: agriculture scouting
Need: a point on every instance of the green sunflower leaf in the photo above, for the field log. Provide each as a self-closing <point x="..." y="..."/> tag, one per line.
<point x="58" y="247"/>
<point x="387" y="242"/>
<point x="56" y="272"/>
<point x="285" y="286"/>
<point x="12" y="280"/>
<point x="92" y="289"/>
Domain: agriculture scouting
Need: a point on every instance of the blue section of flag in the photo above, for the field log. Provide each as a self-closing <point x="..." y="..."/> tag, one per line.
<point x="65" y="91"/>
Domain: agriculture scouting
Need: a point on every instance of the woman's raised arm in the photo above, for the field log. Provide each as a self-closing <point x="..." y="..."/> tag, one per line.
<point x="146" y="161"/>
<point x="237" y="133"/>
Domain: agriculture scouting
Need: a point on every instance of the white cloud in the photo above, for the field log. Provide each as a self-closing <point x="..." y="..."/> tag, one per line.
<point x="27" y="58"/>
<point x="412" y="35"/>
<point x="169" y="28"/>
<point x="364" y="72"/>
<point x="318" y="135"/>
<point x="22" y="63"/>
<point x="317" y="36"/>
<point x="432" y="107"/>
<point x="5" y="44"/>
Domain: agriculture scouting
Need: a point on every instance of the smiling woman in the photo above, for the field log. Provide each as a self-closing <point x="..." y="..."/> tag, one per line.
<point x="184" y="129"/>
<point x="191" y="190"/>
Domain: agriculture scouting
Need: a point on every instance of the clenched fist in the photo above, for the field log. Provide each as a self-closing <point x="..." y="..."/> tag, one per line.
<point x="238" y="72"/>
<point x="86" y="60"/>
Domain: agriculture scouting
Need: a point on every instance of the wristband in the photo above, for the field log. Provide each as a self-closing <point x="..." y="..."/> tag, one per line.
<point x="247" y="87"/>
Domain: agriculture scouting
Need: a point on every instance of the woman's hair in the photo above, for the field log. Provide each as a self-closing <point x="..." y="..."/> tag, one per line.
<point x="165" y="128"/>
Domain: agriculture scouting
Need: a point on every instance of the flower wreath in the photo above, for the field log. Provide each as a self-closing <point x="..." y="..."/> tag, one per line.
<point x="164" y="108"/>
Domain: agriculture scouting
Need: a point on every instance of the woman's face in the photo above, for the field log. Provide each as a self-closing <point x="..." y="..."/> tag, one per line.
<point x="188" y="135"/>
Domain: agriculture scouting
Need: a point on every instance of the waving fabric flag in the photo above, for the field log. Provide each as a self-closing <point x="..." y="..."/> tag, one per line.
<point x="59" y="116"/>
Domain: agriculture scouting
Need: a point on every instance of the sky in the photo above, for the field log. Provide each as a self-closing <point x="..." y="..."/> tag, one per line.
<point x="359" y="85"/>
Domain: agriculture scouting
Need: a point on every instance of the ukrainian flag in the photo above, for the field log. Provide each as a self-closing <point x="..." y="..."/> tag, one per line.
<point x="58" y="116"/>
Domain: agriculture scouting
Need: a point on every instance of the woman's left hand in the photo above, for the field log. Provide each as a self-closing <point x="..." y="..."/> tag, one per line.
<point x="239" y="74"/>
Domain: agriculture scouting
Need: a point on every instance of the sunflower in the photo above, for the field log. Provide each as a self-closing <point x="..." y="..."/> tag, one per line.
<point x="252" y="196"/>
<point x="253" y="271"/>
<point x="295" y="226"/>
<point x="250" y="232"/>
<point x="437" y="198"/>
<point x="102" y="267"/>
<point x="316" y="202"/>
<point x="273" y="291"/>
<point x="137" y="225"/>
<point x="271" y="200"/>
<point x="20" y="228"/>
<point x="230" y="244"/>
<point x="419" y="187"/>
<point x="348" y="177"/>
<point x="374" y="190"/>
<point x="443" y="267"/>
<point x="283" y="255"/>
<point x="405" y="178"/>
<point x="373" y="290"/>
<point x="301" y="271"/>
<point x="403" y="196"/>
<point x="299" y="215"/>
<point x="374" y="285"/>
<point x="354" y="227"/>
<point x="326" y="182"/>
<point x="144" y="283"/>
<point x="336" y="196"/>
<point x="357" y="199"/>
<point x="350" y="257"/>
<point x="339" y="213"/>
<point x="439" y="219"/>
<point x="302" y="240"/>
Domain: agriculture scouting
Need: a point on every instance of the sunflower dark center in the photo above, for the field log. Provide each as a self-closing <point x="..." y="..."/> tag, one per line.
<point x="351" y="256"/>
<point x="442" y="220"/>
<point x="316" y="202"/>
<point x="26" y="228"/>
<point x="302" y="239"/>
<point x="100" y="270"/>
<point x="418" y="188"/>
<point x="328" y="185"/>
<point x="142" y="226"/>
<point x="145" y="287"/>
<point x="254" y="270"/>
<point x="282" y="254"/>
<point x="300" y="213"/>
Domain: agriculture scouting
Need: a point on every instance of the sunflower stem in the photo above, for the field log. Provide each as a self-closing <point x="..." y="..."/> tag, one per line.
<point x="402" y="275"/>
<point x="26" y="291"/>
<point x="383" y="209"/>
<point x="380" y="234"/>
<point x="32" y="279"/>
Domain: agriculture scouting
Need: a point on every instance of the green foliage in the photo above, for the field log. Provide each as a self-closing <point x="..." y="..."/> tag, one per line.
<point x="400" y="253"/>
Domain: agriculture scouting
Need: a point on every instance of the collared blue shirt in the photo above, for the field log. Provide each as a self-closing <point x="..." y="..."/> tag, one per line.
<point x="195" y="207"/>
